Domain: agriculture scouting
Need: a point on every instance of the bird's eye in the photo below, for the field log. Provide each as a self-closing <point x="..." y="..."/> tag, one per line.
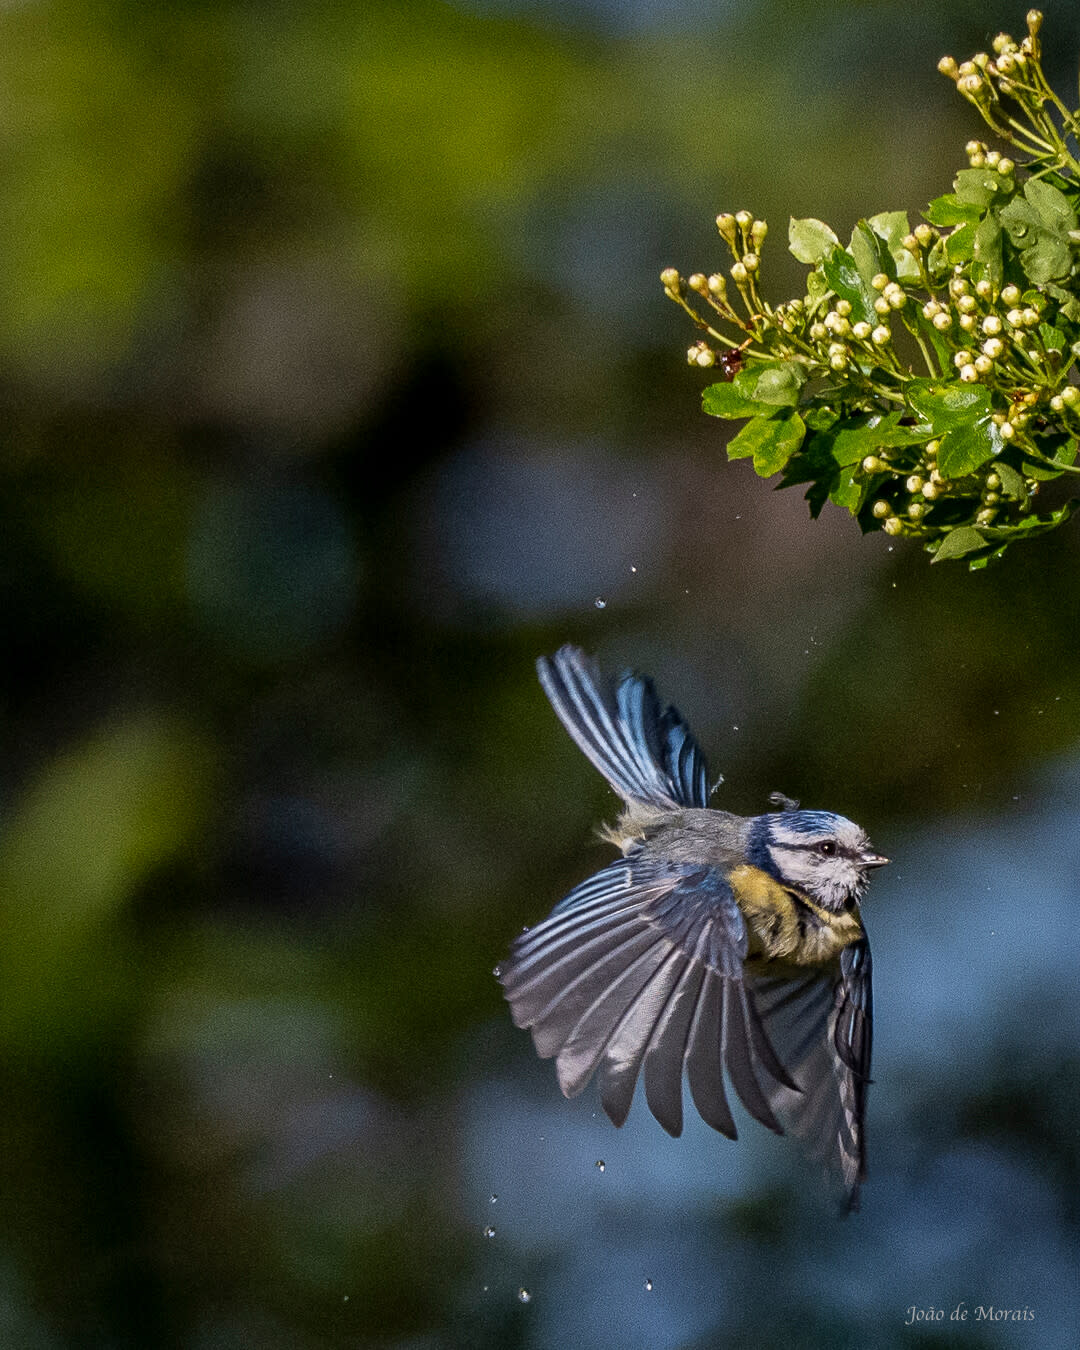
<point x="827" y="847"/>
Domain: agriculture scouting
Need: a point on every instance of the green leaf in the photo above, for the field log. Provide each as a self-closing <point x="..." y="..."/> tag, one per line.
<point x="964" y="539"/>
<point x="1065" y="455"/>
<point x="1012" y="483"/>
<point x="842" y="273"/>
<point x="967" y="446"/>
<point x="1052" y="337"/>
<point x="870" y="257"/>
<point x="770" y="440"/>
<point x="986" y="251"/>
<point x="960" y="245"/>
<point x="1051" y="206"/>
<point x="859" y="437"/>
<point x="810" y="240"/>
<point x="776" y="383"/>
<point x="947" y="404"/>
<point x="1038" y="224"/>
<point x="977" y="187"/>
<point x="950" y="210"/>
<point x="850" y="490"/>
<point x="1069" y="304"/>
<point x="893" y="228"/>
<point x="726" y="400"/>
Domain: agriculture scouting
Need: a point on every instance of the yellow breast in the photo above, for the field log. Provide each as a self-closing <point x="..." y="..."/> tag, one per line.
<point x="786" y="925"/>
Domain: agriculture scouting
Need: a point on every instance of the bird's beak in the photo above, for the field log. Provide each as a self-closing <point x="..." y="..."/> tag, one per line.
<point x="872" y="860"/>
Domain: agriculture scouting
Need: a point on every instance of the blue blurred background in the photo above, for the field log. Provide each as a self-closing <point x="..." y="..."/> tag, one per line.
<point x="337" y="384"/>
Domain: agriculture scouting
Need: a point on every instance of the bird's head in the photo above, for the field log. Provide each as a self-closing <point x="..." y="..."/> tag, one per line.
<point x="825" y="855"/>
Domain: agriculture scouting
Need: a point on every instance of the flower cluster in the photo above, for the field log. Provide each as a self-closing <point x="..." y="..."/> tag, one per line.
<point x="927" y="381"/>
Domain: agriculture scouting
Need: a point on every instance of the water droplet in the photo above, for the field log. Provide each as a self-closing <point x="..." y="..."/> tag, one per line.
<point x="734" y="728"/>
<point x="600" y="1164"/>
<point x="485" y="1288"/>
<point x="497" y="971"/>
<point x="524" y="1296"/>
<point x="345" y="1299"/>
<point x="525" y="928"/>
<point x="648" y="1286"/>
<point x="600" y="602"/>
<point x="489" y="1232"/>
<point x="494" y="1197"/>
<point x="633" y="569"/>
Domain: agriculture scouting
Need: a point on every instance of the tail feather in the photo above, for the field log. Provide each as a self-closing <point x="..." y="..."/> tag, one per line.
<point x="647" y="753"/>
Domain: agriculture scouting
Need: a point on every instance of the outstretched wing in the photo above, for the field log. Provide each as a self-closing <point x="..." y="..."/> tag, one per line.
<point x="647" y="753"/>
<point x="821" y="1023"/>
<point x="642" y="966"/>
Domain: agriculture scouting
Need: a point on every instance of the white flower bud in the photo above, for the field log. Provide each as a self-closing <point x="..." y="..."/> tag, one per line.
<point x="744" y="219"/>
<point x="738" y="273"/>
<point x="881" y="305"/>
<point x="880" y="335"/>
<point x="1010" y="294"/>
<point x="993" y="482"/>
<point x="963" y="358"/>
<point x="838" y="362"/>
<point x="1057" y="403"/>
<point x="917" y="509"/>
<point x="1006" y="167"/>
<point x="1070" y="395"/>
<point x="872" y="464"/>
<point x="931" y="449"/>
<point x="924" y="233"/>
<point x="930" y="309"/>
<point x="967" y="322"/>
<point x="931" y="492"/>
<point x="861" y="330"/>
<point x="837" y="349"/>
<point x="914" y="483"/>
<point x="983" y="365"/>
<point x="947" y="66"/>
<point x="1015" y="318"/>
<point x="843" y="308"/>
<point x="985" y="516"/>
<point x="969" y="374"/>
<point x="670" y="278"/>
<point x="718" y="285"/>
<point x="879" y="281"/>
<point x="1029" y="317"/>
<point x="698" y="282"/>
<point x="984" y="289"/>
<point x="993" y="159"/>
<point x="966" y="303"/>
<point x="958" y="286"/>
<point x="993" y="347"/>
<point x="892" y="525"/>
<point x="942" y="321"/>
<point x="1008" y="431"/>
<point x="991" y="325"/>
<point x="751" y="262"/>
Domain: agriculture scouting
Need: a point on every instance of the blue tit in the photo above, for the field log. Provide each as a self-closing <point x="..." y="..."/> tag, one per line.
<point x="716" y="943"/>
